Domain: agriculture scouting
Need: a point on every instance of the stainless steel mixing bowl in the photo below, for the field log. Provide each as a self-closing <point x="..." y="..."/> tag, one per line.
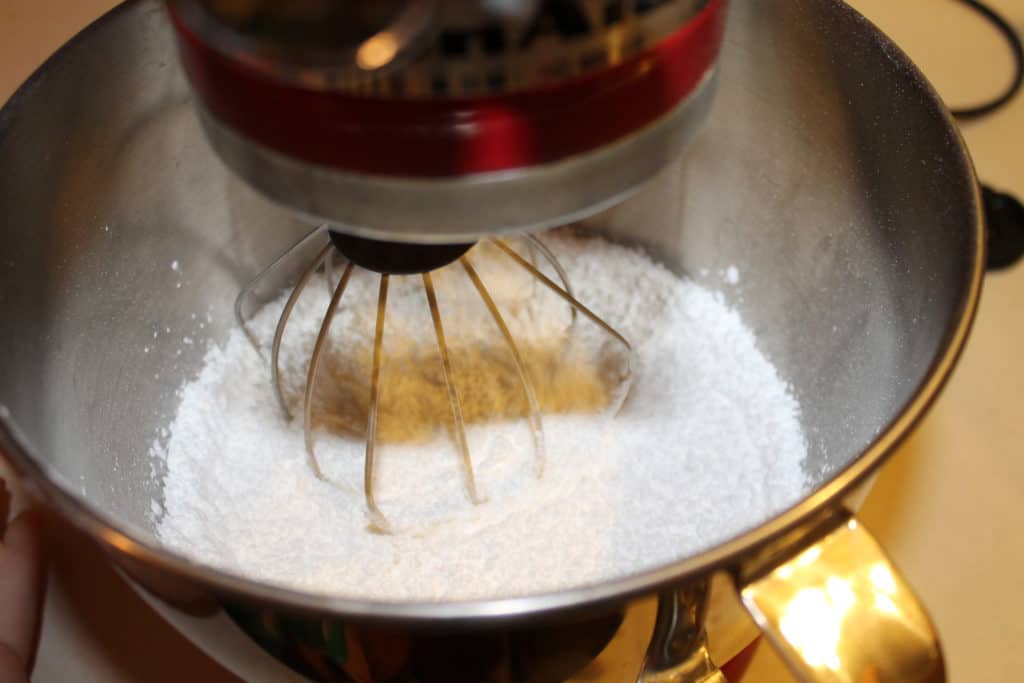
<point x="829" y="174"/>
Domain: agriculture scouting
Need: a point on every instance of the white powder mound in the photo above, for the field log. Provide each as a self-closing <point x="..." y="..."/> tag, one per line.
<point x="707" y="444"/>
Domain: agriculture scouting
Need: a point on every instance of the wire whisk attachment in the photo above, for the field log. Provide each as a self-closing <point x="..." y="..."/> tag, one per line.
<point x="530" y="375"/>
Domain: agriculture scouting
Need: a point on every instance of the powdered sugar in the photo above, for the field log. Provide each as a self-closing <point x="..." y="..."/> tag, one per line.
<point x="707" y="444"/>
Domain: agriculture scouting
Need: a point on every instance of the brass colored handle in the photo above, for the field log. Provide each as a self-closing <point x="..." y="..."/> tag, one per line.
<point x="840" y="612"/>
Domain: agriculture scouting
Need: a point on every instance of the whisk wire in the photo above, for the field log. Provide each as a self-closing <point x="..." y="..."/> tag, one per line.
<point x="458" y="424"/>
<point x="282" y="322"/>
<point x="549" y="256"/>
<point x="329" y="270"/>
<point x="536" y="425"/>
<point x="267" y="281"/>
<point x="243" y="323"/>
<point x="577" y="305"/>
<point x="314" y="364"/>
<point x="325" y="259"/>
<point x="566" y="295"/>
<point x="378" y="523"/>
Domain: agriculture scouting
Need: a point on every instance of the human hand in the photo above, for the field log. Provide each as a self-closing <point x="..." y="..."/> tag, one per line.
<point x="21" y="588"/>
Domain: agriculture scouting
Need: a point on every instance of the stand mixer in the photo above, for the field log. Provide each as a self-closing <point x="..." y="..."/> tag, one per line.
<point x="452" y="124"/>
<point x="830" y="175"/>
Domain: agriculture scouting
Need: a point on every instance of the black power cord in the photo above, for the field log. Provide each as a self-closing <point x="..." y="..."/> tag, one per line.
<point x="1004" y="214"/>
<point x="969" y="113"/>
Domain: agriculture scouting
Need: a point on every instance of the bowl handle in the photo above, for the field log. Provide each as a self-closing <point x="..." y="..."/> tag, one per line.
<point x="838" y="610"/>
<point x="678" y="652"/>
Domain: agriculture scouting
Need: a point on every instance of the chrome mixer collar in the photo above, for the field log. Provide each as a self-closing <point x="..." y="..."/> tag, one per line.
<point x="425" y="121"/>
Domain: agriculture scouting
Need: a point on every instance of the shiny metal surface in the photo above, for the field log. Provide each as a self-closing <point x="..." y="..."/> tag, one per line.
<point x="411" y="49"/>
<point x="829" y="174"/>
<point x="465" y="102"/>
<point x="339" y="43"/>
<point x="840" y="612"/>
<point x="679" y="645"/>
<point x="462" y="209"/>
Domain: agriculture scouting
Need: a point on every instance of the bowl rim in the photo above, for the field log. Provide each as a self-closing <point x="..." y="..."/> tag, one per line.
<point x="727" y="555"/>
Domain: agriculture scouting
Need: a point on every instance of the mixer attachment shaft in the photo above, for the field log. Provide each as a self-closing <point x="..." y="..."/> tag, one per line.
<point x="264" y="286"/>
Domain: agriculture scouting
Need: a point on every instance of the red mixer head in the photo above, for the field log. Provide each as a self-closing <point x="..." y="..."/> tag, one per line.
<point x="442" y="121"/>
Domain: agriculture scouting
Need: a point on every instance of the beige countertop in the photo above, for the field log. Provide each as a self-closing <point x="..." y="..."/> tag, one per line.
<point x="946" y="507"/>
